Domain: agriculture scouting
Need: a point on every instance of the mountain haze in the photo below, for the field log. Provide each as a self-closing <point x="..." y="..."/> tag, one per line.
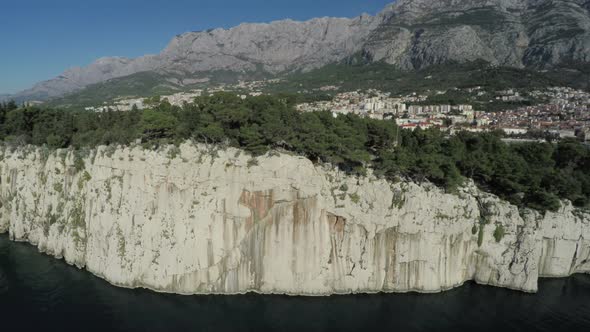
<point x="409" y="34"/>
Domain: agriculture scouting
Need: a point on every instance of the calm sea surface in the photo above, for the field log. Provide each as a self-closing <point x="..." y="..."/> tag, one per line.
<point x="44" y="294"/>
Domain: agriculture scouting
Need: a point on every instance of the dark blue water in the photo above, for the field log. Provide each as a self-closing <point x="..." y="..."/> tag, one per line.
<point x="44" y="294"/>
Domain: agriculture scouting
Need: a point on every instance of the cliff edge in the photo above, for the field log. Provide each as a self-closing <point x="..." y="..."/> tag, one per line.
<point x="200" y="220"/>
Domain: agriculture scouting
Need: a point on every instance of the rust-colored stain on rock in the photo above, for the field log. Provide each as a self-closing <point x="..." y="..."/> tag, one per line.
<point x="259" y="202"/>
<point x="337" y="224"/>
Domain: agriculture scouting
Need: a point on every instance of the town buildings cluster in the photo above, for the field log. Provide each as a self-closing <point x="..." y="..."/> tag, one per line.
<point x="410" y="111"/>
<point x="565" y="112"/>
<point x="124" y="105"/>
<point x="241" y="88"/>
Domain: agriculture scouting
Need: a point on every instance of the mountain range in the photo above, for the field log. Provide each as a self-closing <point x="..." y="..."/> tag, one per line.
<point x="407" y="34"/>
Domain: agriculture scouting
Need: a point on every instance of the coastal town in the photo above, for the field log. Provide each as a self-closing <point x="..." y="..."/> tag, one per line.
<point x="241" y="88"/>
<point x="563" y="112"/>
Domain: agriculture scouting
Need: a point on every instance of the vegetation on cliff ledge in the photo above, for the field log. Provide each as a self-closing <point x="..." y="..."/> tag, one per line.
<point x="535" y="175"/>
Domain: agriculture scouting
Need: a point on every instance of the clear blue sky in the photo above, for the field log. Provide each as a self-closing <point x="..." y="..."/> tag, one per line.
<point x="42" y="38"/>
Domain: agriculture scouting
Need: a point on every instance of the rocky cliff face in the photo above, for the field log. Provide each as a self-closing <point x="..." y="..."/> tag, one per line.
<point x="515" y="33"/>
<point x="273" y="47"/>
<point x="196" y="220"/>
<point x="410" y="34"/>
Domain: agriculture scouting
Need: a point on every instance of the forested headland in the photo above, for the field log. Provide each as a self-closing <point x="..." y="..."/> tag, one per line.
<point x="535" y="175"/>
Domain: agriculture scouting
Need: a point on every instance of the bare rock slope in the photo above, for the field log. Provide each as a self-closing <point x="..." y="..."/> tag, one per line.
<point x="272" y="47"/>
<point x="515" y="33"/>
<point x="410" y="34"/>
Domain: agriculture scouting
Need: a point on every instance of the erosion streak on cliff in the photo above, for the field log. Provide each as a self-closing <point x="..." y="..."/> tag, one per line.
<point x="209" y="221"/>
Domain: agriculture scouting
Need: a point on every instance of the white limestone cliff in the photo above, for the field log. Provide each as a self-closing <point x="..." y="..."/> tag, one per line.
<point x="196" y="220"/>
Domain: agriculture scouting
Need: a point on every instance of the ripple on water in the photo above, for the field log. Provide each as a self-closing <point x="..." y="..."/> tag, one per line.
<point x="3" y="281"/>
<point x="44" y="293"/>
<point x="42" y="276"/>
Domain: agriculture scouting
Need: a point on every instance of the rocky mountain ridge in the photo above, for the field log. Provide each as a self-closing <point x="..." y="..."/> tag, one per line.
<point x="410" y="34"/>
<point x="513" y="33"/>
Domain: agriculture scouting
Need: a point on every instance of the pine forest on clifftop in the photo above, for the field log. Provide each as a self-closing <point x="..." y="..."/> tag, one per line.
<point x="535" y="175"/>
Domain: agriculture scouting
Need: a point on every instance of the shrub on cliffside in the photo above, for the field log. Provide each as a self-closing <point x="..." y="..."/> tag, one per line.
<point x="499" y="233"/>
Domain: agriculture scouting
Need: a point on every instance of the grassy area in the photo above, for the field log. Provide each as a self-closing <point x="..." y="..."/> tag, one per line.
<point x="349" y="75"/>
<point x="148" y="84"/>
<point x="143" y="84"/>
<point x="388" y="78"/>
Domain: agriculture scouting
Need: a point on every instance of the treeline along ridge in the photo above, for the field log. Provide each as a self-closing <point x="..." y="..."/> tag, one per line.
<point x="535" y="175"/>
